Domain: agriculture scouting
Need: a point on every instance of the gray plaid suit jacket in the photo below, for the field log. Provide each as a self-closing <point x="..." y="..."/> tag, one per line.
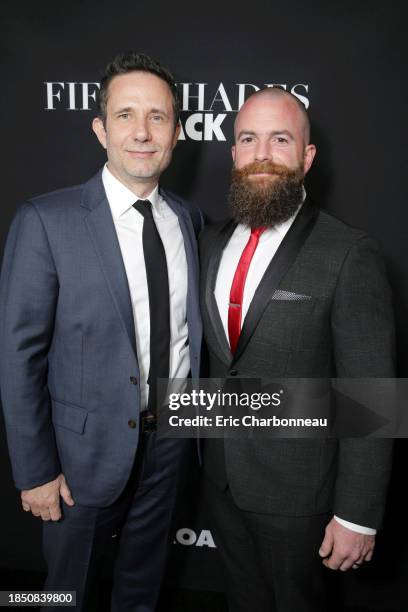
<point x="322" y="309"/>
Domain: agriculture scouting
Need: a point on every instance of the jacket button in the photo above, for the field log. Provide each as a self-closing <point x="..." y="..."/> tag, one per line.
<point x="133" y="380"/>
<point x="132" y="424"/>
<point x="233" y="372"/>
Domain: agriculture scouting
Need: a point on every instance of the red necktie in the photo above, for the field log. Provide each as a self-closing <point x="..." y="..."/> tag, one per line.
<point x="237" y="288"/>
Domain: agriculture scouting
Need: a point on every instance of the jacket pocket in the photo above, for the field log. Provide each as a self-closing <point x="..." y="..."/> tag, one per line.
<point x="69" y="416"/>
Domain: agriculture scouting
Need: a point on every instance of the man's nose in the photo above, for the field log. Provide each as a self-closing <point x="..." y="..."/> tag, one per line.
<point x="263" y="151"/>
<point x="140" y="129"/>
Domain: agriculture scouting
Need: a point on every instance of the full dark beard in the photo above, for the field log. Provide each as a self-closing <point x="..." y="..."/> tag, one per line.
<point x="268" y="201"/>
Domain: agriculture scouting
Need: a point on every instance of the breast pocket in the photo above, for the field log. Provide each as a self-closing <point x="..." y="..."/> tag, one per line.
<point x="283" y="320"/>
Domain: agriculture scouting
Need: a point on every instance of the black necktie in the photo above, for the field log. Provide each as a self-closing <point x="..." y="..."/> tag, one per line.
<point x="158" y="287"/>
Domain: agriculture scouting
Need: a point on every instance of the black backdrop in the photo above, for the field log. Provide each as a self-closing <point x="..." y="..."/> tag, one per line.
<point x="347" y="60"/>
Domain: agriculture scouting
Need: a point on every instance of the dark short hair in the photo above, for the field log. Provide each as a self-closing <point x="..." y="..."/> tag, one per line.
<point x="130" y="61"/>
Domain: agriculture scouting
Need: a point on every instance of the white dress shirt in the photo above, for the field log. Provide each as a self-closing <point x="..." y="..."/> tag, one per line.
<point x="129" y="226"/>
<point x="269" y="243"/>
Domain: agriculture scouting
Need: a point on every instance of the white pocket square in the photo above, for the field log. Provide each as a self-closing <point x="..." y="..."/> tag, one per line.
<point x="288" y="295"/>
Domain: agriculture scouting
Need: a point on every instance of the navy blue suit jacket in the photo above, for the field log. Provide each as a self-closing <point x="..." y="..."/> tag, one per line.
<point x="68" y="355"/>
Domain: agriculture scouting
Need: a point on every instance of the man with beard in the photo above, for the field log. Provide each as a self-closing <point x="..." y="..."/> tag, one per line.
<point x="289" y="291"/>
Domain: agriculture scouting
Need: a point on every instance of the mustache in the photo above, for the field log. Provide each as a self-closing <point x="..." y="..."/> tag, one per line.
<point x="259" y="167"/>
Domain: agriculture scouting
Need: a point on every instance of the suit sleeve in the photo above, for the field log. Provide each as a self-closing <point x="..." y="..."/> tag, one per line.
<point x="364" y="347"/>
<point x="28" y="300"/>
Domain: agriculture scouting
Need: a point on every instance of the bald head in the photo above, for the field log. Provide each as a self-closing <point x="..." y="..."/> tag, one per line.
<point x="273" y="125"/>
<point x="276" y="94"/>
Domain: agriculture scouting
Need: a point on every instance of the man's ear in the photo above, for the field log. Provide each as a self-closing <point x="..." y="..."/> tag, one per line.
<point x="310" y="152"/>
<point x="233" y="153"/>
<point x="176" y="134"/>
<point x="99" y="129"/>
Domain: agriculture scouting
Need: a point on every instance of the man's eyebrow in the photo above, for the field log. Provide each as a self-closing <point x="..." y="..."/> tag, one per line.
<point x="129" y="109"/>
<point x="160" y="111"/>
<point x="273" y="133"/>
<point x="282" y="133"/>
<point x="125" y="109"/>
<point x="245" y="133"/>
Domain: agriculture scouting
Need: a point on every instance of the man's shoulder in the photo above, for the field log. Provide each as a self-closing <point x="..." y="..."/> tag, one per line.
<point x="334" y="223"/>
<point x="62" y="203"/>
<point x="186" y="205"/>
<point x="54" y="208"/>
<point x="61" y="197"/>
<point x="173" y="197"/>
<point x="211" y="231"/>
<point x="334" y="242"/>
<point x="335" y="232"/>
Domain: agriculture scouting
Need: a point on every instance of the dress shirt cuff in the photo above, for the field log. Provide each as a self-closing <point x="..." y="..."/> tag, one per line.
<point x="354" y="527"/>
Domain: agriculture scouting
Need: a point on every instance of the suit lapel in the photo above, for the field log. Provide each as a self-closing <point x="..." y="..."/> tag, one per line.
<point x="187" y="230"/>
<point x="103" y="235"/>
<point x="280" y="264"/>
<point x="193" y="306"/>
<point x="222" y="342"/>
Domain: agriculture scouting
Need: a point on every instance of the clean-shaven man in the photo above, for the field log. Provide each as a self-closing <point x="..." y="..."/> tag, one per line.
<point x="99" y="298"/>
<point x="289" y="291"/>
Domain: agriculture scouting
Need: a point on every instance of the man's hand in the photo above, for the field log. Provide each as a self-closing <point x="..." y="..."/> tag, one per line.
<point x="44" y="501"/>
<point x="343" y="548"/>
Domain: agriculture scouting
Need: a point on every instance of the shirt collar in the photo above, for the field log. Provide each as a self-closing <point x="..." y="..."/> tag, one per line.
<point x="121" y="199"/>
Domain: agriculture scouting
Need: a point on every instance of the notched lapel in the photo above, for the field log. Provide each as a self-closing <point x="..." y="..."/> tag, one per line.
<point x="278" y="267"/>
<point x="103" y="235"/>
<point x="187" y="229"/>
<point x="193" y="271"/>
<point x="210" y="301"/>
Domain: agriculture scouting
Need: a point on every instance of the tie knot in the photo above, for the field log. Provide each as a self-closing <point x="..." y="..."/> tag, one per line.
<point x="144" y="207"/>
<point x="257" y="231"/>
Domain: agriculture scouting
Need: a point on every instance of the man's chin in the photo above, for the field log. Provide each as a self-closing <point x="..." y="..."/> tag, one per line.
<point x="265" y="203"/>
<point x="260" y="183"/>
<point x="142" y="173"/>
